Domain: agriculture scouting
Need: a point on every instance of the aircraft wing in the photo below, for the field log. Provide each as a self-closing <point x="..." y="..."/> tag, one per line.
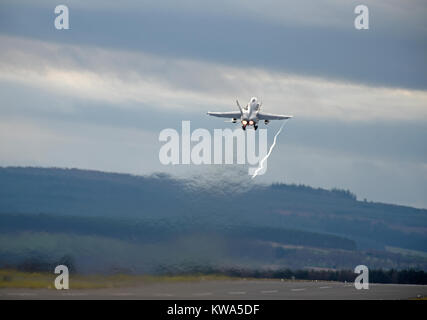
<point x="231" y="114"/>
<point x="270" y="116"/>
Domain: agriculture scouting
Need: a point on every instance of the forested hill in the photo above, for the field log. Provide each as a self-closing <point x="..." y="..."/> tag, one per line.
<point x="99" y="194"/>
<point x="97" y="216"/>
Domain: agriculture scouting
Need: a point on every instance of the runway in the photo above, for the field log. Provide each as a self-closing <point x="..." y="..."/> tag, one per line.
<point x="229" y="290"/>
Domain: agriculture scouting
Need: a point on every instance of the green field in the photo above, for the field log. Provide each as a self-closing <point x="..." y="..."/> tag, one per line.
<point x="44" y="280"/>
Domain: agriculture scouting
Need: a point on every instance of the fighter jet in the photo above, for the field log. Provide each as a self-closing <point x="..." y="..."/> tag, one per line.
<point x="249" y="115"/>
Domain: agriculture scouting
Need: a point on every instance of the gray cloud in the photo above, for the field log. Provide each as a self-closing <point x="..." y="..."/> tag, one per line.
<point x="391" y="53"/>
<point x="402" y="140"/>
<point x="122" y="77"/>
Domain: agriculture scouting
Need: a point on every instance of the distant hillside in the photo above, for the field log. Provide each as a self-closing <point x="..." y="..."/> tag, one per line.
<point x="149" y="216"/>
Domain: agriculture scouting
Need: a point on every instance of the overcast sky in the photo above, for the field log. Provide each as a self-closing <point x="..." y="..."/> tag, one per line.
<point x="96" y="96"/>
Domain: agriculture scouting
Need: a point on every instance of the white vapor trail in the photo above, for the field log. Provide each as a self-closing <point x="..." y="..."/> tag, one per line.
<point x="261" y="165"/>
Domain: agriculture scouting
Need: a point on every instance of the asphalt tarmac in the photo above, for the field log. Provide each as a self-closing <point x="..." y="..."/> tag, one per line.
<point x="230" y="290"/>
